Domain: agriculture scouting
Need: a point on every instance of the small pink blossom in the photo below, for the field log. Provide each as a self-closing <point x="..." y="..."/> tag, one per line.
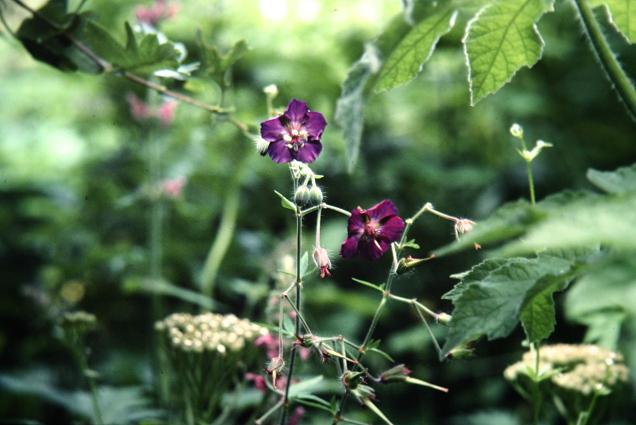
<point x="157" y="12"/>
<point x="138" y="109"/>
<point x="166" y="111"/>
<point x="298" y="414"/>
<point x="270" y="342"/>
<point x="322" y="261"/>
<point x="173" y="188"/>
<point x="258" y="380"/>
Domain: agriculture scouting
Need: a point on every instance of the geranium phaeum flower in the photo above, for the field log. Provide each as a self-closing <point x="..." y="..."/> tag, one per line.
<point x="371" y="231"/>
<point x="295" y="134"/>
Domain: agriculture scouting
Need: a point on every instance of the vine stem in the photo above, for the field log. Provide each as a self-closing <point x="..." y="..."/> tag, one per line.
<point x="606" y="57"/>
<point x="108" y="68"/>
<point x="297" y="308"/>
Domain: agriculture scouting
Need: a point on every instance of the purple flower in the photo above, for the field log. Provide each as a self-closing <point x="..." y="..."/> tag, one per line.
<point x="295" y="134"/>
<point x="371" y="231"/>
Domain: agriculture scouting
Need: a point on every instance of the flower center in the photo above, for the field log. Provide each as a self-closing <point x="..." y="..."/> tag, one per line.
<point x="371" y="228"/>
<point x="295" y="137"/>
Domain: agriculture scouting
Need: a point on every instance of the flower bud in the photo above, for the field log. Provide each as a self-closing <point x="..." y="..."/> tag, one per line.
<point x="516" y="131"/>
<point x="363" y="393"/>
<point x="315" y="195"/>
<point x="301" y="197"/>
<point x="271" y="90"/>
<point x="396" y="373"/>
<point x="261" y="145"/>
<point x="409" y="262"/>
<point x="352" y="380"/>
<point x="322" y="261"/>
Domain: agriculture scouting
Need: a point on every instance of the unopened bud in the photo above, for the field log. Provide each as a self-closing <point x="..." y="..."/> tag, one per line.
<point x="315" y="195"/>
<point x="516" y="131"/>
<point x="261" y="145"/>
<point x="352" y="380"/>
<point x="409" y="262"/>
<point x="271" y="90"/>
<point x="363" y="393"/>
<point x="302" y="196"/>
<point x="462" y="351"/>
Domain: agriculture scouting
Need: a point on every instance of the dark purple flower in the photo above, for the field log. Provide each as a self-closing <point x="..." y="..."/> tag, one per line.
<point x="371" y="231"/>
<point x="295" y="134"/>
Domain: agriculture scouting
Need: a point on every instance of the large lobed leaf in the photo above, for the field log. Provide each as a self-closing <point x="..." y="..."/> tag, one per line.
<point x="493" y="297"/>
<point x="622" y="15"/>
<point x="501" y="39"/>
<point x="412" y="51"/>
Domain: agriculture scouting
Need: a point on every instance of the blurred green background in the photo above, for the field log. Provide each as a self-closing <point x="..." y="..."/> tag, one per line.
<point x="77" y="176"/>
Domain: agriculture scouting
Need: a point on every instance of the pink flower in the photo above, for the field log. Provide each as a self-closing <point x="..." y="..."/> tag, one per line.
<point x="298" y="414"/>
<point x="321" y="260"/>
<point x="304" y="353"/>
<point x="138" y="109"/>
<point x="258" y="380"/>
<point x="270" y="342"/>
<point x="173" y="188"/>
<point x="154" y="14"/>
<point x="165" y="113"/>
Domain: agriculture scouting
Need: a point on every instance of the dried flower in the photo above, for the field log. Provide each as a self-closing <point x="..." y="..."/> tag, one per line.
<point x="322" y="261"/>
<point x="463" y="226"/>
<point x="295" y="135"/>
<point x="371" y="231"/>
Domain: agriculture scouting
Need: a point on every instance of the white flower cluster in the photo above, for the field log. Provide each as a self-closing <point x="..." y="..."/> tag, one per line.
<point x="209" y="332"/>
<point x="583" y="368"/>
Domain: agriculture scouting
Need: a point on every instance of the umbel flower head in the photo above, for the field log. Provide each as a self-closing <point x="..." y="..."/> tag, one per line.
<point x="371" y="231"/>
<point x="295" y="134"/>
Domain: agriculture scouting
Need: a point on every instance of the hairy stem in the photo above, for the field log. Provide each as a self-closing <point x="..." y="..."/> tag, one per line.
<point x="298" y="284"/>
<point x="606" y="57"/>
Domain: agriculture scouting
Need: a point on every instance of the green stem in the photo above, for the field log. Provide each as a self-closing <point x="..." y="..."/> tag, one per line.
<point x="82" y="361"/>
<point x="530" y="182"/>
<point x="606" y="57"/>
<point x="298" y="308"/>
<point x="223" y="238"/>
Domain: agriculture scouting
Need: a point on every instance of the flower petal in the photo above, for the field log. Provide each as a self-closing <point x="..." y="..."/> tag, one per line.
<point x="392" y="229"/>
<point x="272" y="130"/>
<point x="373" y="249"/>
<point x="315" y="124"/>
<point x="382" y="210"/>
<point x="279" y="152"/>
<point x="309" y="152"/>
<point x="355" y="225"/>
<point x="349" y="248"/>
<point x="296" y="110"/>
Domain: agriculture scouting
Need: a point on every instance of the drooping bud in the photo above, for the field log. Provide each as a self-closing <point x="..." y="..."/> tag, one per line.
<point x="322" y="261"/>
<point x="516" y="131"/>
<point x="302" y="197"/>
<point x="315" y="195"/>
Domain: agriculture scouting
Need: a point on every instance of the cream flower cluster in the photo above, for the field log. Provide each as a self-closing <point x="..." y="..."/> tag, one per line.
<point x="583" y="368"/>
<point x="209" y="332"/>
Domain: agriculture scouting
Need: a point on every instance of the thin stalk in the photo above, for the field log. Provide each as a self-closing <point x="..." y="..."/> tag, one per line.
<point x="82" y="361"/>
<point x="298" y="308"/>
<point x="530" y="182"/>
<point x="606" y="57"/>
<point x="224" y="235"/>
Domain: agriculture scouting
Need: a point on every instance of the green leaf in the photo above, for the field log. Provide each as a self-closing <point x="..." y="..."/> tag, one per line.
<point x="349" y="114"/>
<point x="621" y="180"/>
<point x="414" y="50"/>
<point x="284" y="202"/>
<point x="622" y="15"/>
<point x="218" y="65"/>
<point x="491" y="297"/>
<point x="607" y="221"/>
<point x="501" y="39"/>
<point x="139" y="284"/>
